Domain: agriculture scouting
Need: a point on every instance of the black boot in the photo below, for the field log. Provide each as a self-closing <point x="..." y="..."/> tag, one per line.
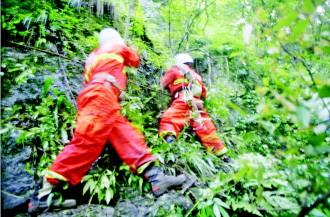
<point x="38" y="205"/>
<point x="169" y="138"/>
<point x="160" y="182"/>
<point x="38" y="202"/>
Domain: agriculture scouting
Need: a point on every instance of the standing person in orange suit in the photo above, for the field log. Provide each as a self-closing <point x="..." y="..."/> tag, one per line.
<point x="99" y="121"/>
<point x="188" y="91"/>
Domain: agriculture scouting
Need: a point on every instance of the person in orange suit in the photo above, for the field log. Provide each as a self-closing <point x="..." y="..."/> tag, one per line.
<point x="99" y="122"/>
<point x="188" y="91"/>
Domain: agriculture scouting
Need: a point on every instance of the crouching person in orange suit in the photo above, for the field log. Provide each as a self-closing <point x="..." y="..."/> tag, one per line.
<point x="188" y="91"/>
<point x="99" y="122"/>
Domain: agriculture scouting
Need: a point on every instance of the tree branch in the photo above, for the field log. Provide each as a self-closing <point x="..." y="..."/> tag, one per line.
<point x="130" y="10"/>
<point x="70" y="96"/>
<point x="169" y="27"/>
<point x="191" y="22"/>
<point x="303" y="62"/>
<point x="44" y="51"/>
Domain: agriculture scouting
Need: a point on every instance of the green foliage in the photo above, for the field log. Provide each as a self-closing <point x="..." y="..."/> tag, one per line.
<point x="46" y="124"/>
<point x="268" y="94"/>
<point x="255" y="187"/>
<point x="16" y="69"/>
<point x="134" y="181"/>
<point x="100" y="183"/>
<point x="47" y="27"/>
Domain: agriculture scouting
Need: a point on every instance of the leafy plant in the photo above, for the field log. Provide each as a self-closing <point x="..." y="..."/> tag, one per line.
<point x="100" y="183"/>
<point x="265" y="63"/>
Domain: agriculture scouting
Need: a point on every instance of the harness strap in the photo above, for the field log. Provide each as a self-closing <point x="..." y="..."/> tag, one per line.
<point x="188" y="77"/>
<point x="188" y="95"/>
<point x="103" y="76"/>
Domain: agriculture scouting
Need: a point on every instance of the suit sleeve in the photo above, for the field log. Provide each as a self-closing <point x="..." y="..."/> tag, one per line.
<point x="167" y="78"/>
<point x="131" y="58"/>
<point x="204" y="90"/>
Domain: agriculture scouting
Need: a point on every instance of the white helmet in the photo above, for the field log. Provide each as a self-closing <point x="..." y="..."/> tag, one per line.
<point x="110" y="36"/>
<point x="182" y="58"/>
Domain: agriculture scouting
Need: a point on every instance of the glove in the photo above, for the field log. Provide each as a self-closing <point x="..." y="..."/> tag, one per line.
<point x="122" y="95"/>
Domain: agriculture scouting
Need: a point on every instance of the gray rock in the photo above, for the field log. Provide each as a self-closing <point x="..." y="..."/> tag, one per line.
<point x="83" y="211"/>
<point x="16" y="183"/>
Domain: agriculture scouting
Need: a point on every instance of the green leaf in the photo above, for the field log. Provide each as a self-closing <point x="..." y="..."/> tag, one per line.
<point x="100" y="196"/>
<point x="140" y="180"/>
<point x="50" y="199"/>
<point x="223" y="212"/>
<point x="109" y="195"/>
<point x="267" y="125"/>
<point x="326" y="50"/>
<point x="283" y="203"/>
<point x="87" y="186"/>
<point x="317" y="213"/>
<point x="221" y="203"/>
<point x="303" y="115"/>
<point x="298" y="30"/>
<point x="324" y="91"/>
<point x="47" y="84"/>
<point x="262" y="15"/>
<point x="113" y="179"/>
<point x="105" y="181"/>
<point x="216" y="210"/>
<point x="316" y="140"/>
<point x="64" y="136"/>
<point x="307" y="6"/>
<point x="287" y="20"/>
<point x="4" y="130"/>
<point x="86" y="178"/>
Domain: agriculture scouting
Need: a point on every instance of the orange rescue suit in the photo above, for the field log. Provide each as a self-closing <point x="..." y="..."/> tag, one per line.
<point x="99" y="120"/>
<point x="181" y="111"/>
